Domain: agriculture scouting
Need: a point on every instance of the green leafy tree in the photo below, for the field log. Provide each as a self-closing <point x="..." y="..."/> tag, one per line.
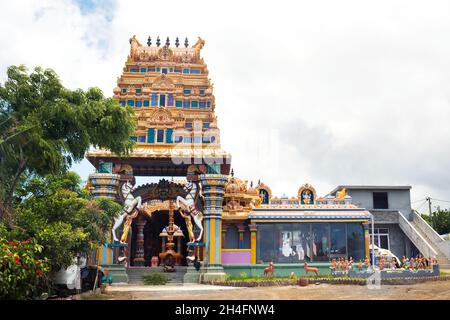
<point x="45" y="127"/>
<point x="62" y="217"/>
<point x="440" y="220"/>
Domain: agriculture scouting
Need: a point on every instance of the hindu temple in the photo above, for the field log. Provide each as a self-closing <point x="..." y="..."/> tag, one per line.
<point x="202" y="219"/>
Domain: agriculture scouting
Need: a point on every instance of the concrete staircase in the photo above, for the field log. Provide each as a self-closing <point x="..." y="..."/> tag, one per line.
<point x="425" y="238"/>
<point x="135" y="274"/>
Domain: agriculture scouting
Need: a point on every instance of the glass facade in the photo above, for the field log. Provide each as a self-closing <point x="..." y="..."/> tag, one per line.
<point x="298" y="242"/>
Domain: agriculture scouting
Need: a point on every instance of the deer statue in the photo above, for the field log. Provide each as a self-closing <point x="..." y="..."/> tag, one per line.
<point x="268" y="272"/>
<point x="310" y="269"/>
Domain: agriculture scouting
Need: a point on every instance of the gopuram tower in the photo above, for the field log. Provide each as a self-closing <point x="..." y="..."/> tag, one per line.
<point x="177" y="135"/>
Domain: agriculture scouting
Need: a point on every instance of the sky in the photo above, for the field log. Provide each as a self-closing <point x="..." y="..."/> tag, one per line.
<point x="322" y="92"/>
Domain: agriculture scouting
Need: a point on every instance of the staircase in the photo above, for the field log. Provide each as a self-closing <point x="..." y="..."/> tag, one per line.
<point x="135" y="274"/>
<point x="425" y="238"/>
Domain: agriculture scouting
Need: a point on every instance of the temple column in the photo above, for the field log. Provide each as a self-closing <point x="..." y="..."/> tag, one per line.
<point x="366" y="239"/>
<point x="107" y="185"/>
<point x="224" y="233"/>
<point x="241" y="230"/>
<point x="213" y="191"/>
<point x="139" y="254"/>
<point x="253" y="230"/>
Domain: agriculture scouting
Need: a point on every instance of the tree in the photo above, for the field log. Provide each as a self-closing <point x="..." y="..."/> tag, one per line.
<point x="45" y="127"/>
<point x="62" y="217"/>
<point x="441" y="220"/>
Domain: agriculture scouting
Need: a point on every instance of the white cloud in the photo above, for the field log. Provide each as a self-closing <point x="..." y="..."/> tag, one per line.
<point x="356" y="92"/>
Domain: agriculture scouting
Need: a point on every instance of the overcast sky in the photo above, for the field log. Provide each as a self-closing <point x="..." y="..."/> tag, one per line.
<point x="325" y="92"/>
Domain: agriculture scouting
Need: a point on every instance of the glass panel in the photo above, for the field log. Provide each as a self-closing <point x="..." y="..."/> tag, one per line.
<point x="197" y="139"/>
<point x="141" y="138"/>
<point x="265" y="242"/>
<point x="122" y="103"/>
<point x="178" y="139"/>
<point x="188" y="124"/>
<point x="383" y="231"/>
<point x="146" y="103"/>
<point x="195" y="71"/>
<point x="186" y="104"/>
<point x="206" y="139"/>
<point x="208" y="104"/>
<point x="384" y="244"/>
<point x="178" y="103"/>
<point x="187" y="91"/>
<point x="138" y="103"/>
<point x="170" y="100"/>
<point x="130" y="103"/>
<point x="134" y="70"/>
<point x="194" y="104"/>
<point x="301" y="242"/>
<point x="143" y="70"/>
<point x="338" y="240"/>
<point x="188" y="139"/>
<point x="205" y="125"/>
<point x="162" y="100"/>
<point x="202" y="104"/>
<point x="138" y="91"/>
<point x="202" y="92"/>
<point x="164" y="70"/>
<point x="151" y="135"/>
<point x="186" y="71"/>
<point x="169" y="135"/>
<point x="124" y="90"/>
<point x="320" y="247"/>
<point x="355" y="241"/>
<point x="133" y="138"/>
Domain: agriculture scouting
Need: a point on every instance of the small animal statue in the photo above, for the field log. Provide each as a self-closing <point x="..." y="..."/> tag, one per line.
<point x="268" y="272"/>
<point x="360" y="265"/>
<point x="310" y="269"/>
<point x="131" y="203"/>
<point x="293" y="276"/>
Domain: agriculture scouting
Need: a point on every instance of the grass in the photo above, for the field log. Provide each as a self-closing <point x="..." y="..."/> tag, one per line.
<point x="96" y="296"/>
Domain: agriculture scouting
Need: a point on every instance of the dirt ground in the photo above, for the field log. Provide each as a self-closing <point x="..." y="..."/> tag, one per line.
<point x="433" y="290"/>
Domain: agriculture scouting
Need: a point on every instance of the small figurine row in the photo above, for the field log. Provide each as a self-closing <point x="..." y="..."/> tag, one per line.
<point x="418" y="263"/>
<point x="341" y="264"/>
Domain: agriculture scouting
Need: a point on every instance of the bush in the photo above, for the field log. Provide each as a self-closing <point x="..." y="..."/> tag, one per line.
<point x="154" y="279"/>
<point x="20" y="272"/>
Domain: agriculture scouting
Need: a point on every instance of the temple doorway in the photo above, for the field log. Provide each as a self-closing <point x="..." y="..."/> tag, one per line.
<point x="153" y="242"/>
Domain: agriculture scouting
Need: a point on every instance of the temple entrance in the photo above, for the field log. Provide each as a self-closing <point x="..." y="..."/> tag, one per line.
<point x="153" y="239"/>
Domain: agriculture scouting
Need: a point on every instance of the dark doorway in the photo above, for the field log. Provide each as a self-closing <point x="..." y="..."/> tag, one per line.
<point x="152" y="240"/>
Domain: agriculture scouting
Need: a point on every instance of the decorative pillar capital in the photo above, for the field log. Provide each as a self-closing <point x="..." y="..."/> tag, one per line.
<point x="104" y="184"/>
<point x="253" y="227"/>
<point x="241" y="228"/>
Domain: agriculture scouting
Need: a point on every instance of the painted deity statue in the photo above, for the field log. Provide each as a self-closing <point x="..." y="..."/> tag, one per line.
<point x="306" y="196"/>
<point x="131" y="203"/>
<point x="188" y="207"/>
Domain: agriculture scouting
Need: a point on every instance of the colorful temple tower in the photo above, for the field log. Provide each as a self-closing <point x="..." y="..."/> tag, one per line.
<point x="176" y="136"/>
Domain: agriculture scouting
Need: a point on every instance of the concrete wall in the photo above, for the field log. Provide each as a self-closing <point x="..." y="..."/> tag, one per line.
<point x="399" y="243"/>
<point x="397" y="199"/>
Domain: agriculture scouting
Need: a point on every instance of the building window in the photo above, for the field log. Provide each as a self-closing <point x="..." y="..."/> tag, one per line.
<point x="186" y="104"/>
<point x="213" y="139"/>
<point x="338" y="239"/>
<point x="380" y="200"/>
<point x="206" y="139"/>
<point x="321" y="242"/>
<point x="160" y="135"/>
<point x="202" y="92"/>
<point x="208" y="104"/>
<point x="194" y="104"/>
<point x="202" y="104"/>
<point x="381" y="238"/>
<point x="124" y="90"/>
<point x="143" y="70"/>
<point x="122" y="103"/>
<point x="151" y="135"/>
<point x="171" y="70"/>
<point x="187" y="139"/>
<point x="164" y="70"/>
<point x="178" y="139"/>
<point x="141" y="139"/>
<point x="162" y="100"/>
<point x="138" y="91"/>
<point x="355" y="241"/>
<point x="188" y="125"/>
<point x="146" y="103"/>
<point x="186" y="71"/>
<point x="151" y="69"/>
<point x="130" y="103"/>
<point x="169" y="133"/>
<point x="154" y="99"/>
<point x="133" y="138"/>
<point x="170" y="100"/>
<point x="178" y="103"/>
<point x="158" y="69"/>
<point x="134" y="70"/>
<point x="195" y="71"/>
<point x="138" y="103"/>
<point x="197" y="139"/>
<point x="205" y="125"/>
<point x="187" y="91"/>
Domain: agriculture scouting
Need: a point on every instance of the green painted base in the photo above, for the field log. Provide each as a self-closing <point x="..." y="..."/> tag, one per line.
<point x="214" y="273"/>
<point x="280" y="269"/>
<point x="118" y="273"/>
<point x="191" y="275"/>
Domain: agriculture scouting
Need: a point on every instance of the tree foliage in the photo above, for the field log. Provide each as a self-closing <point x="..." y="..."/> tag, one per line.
<point x="440" y="220"/>
<point x="62" y="217"/>
<point x="45" y="127"/>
